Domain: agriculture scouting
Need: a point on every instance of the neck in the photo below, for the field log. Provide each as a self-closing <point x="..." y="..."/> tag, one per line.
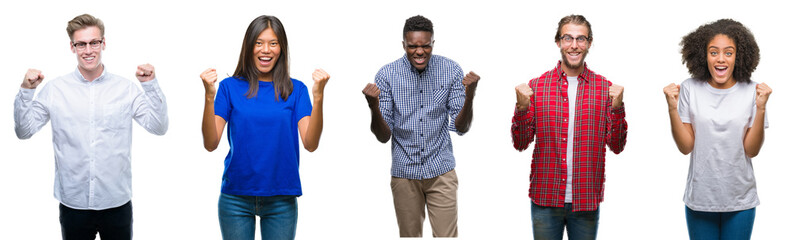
<point x="726" y="85"/>
<point x="265" y="77"/>
<point x="572" y="72"/>
<point x="91" y="75"/>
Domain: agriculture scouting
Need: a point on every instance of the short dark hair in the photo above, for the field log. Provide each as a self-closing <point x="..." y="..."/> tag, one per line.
<point x="574" y="19"/>
<point x="418" y="23"/>
<point x="694" y="49"/>
<point x="246" y="67"/>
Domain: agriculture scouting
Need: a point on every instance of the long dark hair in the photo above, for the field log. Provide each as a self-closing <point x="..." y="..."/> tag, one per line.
<point x="246" y="67"/>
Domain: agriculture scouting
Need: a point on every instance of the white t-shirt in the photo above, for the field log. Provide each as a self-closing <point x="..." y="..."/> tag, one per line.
<point x="720" y="177"/>
<point x="571" y="95"/>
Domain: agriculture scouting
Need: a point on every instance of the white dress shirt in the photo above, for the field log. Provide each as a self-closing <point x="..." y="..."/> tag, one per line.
<point x="91" y="133"/>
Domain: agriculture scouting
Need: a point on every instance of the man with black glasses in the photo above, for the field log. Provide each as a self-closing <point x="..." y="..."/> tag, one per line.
<point x="91" y="112"/>
<point x="573" y="113"/>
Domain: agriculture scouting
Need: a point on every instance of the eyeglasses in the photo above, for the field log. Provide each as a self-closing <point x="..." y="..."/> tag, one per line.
<point x="95" y="44"/>
<point x="568" y="39"/>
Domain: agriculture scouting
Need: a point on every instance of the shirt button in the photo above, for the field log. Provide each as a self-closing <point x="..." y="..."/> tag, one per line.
<point x="563" y="159"/>
<point x="565" y="99"/>
<point x="420" y="120"/>
<point x="421" y="106"/>
<point x="563" y="139"/>
<point x="421" y="134"/>
<point x="422" y="149"/>
<point x="420" y="91"/>
<point x="565" y="119"/>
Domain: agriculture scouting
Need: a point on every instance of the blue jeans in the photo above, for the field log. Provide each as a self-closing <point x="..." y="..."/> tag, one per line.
<point x="238" y="213"/>
<point x="720" y="225"/>
<point x="549" y="222"/>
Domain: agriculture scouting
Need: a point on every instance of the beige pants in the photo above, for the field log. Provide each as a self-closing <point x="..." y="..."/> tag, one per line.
<point x="438" y="195"/>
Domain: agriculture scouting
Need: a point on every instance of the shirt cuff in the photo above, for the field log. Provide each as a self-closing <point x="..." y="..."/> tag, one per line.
<point x="618" y="113"/>
<point x="26" y="94"/>
<point x="520" y="113"/>
<point x="149" y="86"/>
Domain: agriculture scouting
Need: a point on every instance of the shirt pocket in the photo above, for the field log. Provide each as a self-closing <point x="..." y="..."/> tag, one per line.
<point x="440" y="95"/>
<point x="116" y="116"/>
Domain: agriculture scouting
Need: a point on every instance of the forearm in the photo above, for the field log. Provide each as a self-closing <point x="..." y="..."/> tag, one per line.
<point x="211" y="138"/>
<point x="683" y="134"/>
<point x="378" y="125"/>
<point x="153" y="113"/>
<point x="28" y="119"/>
<point x="465" y="117"/>
<point x="754" y="138"/>
<point x="522" y="130"/>
<point x="315" y="125"/>
<point x="617" y="129"/>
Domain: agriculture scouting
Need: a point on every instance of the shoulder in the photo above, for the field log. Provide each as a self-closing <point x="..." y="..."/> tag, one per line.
<point x="446" y="63"/>
<point x="298" y="84"/>
<point x="691" y="83"/>
<point x="233" y="82"/>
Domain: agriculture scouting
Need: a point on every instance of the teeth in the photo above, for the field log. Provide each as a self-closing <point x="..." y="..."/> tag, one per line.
<point x="90" y="58"/>
<point x="265" y="59"/>
<point x="720" y="68"/>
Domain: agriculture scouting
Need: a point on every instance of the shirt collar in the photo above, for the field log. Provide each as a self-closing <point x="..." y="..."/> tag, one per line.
<point x="78" y="75"/>
<point x="583" y="77"/>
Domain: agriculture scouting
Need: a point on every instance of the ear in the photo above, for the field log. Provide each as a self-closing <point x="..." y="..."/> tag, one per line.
<point x="404" y="45"/>
<point x="104" y="43"/>
<point x="558" y="43"/>
<point x="71" y="47"/>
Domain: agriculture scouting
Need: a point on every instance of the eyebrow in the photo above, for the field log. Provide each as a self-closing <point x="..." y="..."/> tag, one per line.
<point x="723" y="48"/>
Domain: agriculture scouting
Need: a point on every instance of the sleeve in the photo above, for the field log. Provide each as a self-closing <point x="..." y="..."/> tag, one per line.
<point x="523" y="127"/>
<point x="456" y="98"/>
<point x="616" y="129"/>
<point x="302" y="103"/>
<point x="683" y="107"/>
<point x="30" y="115"/>
<point x="222" y="102"/>
<point x="150" y="108"/>
<point x="385" y="98"/>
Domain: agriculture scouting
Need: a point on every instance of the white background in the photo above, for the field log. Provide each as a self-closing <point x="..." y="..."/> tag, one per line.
<point x="346" y="181"/>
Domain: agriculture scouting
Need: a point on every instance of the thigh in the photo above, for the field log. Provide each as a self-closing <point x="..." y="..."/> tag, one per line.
<point x="441" y="202"/>
<point x="582" y="225"/>
<point x="237" y="216"/>
<point x="702" y="225"/>
<point x="409" y="202"/>
<point x="77" y="224"/>
<point x="738" y="225"/>
<point x="278" y="217"/>
<point x="548" y="222"/>
<point x="116" y="223"/>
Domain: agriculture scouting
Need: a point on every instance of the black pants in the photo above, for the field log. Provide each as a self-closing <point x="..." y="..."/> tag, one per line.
<point x="112" y="224"/>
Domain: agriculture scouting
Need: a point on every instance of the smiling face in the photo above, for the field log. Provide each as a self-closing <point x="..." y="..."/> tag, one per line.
<point x="418" y="45"/>
<point x="266" y="53"/>
<point x="573" y="53"/>
<point x="721" y="53"/>
<point x="89" y="60"/>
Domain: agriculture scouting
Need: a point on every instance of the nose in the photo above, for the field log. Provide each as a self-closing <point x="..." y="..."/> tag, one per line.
<point x="266" y="49"/>
<point x="419" y="51"/>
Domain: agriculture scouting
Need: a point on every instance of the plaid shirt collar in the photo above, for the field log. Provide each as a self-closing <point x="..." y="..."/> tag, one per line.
<point x="584" y="76"/>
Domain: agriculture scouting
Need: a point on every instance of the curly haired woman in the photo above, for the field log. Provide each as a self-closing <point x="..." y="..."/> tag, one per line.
<point x="718" y="115"/>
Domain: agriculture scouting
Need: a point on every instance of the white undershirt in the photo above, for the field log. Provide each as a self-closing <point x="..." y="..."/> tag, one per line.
<point x="572" y="94"/>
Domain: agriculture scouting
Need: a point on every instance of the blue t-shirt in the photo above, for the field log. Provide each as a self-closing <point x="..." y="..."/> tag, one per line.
<point x="265" y="154"/>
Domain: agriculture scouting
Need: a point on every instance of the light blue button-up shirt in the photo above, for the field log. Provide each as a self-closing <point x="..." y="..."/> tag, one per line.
<point x="420" y="109"/>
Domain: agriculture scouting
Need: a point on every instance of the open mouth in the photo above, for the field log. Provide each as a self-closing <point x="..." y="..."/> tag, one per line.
<point x="721" y="70"/>
<point x="419" y="60"/>
<point x="265" y="61"/>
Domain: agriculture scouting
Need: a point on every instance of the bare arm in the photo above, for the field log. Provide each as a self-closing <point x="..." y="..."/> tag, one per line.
<point x="378" y="125"/>
<point x="682" y="132"/>
<point x="212" y="125"/>
<point x="465" y="117"/>
<point x="311" y="126"/>
<point x="754" y="138"/>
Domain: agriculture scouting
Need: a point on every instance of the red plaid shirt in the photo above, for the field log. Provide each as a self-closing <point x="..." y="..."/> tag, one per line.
<point x="596" y="123"/>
